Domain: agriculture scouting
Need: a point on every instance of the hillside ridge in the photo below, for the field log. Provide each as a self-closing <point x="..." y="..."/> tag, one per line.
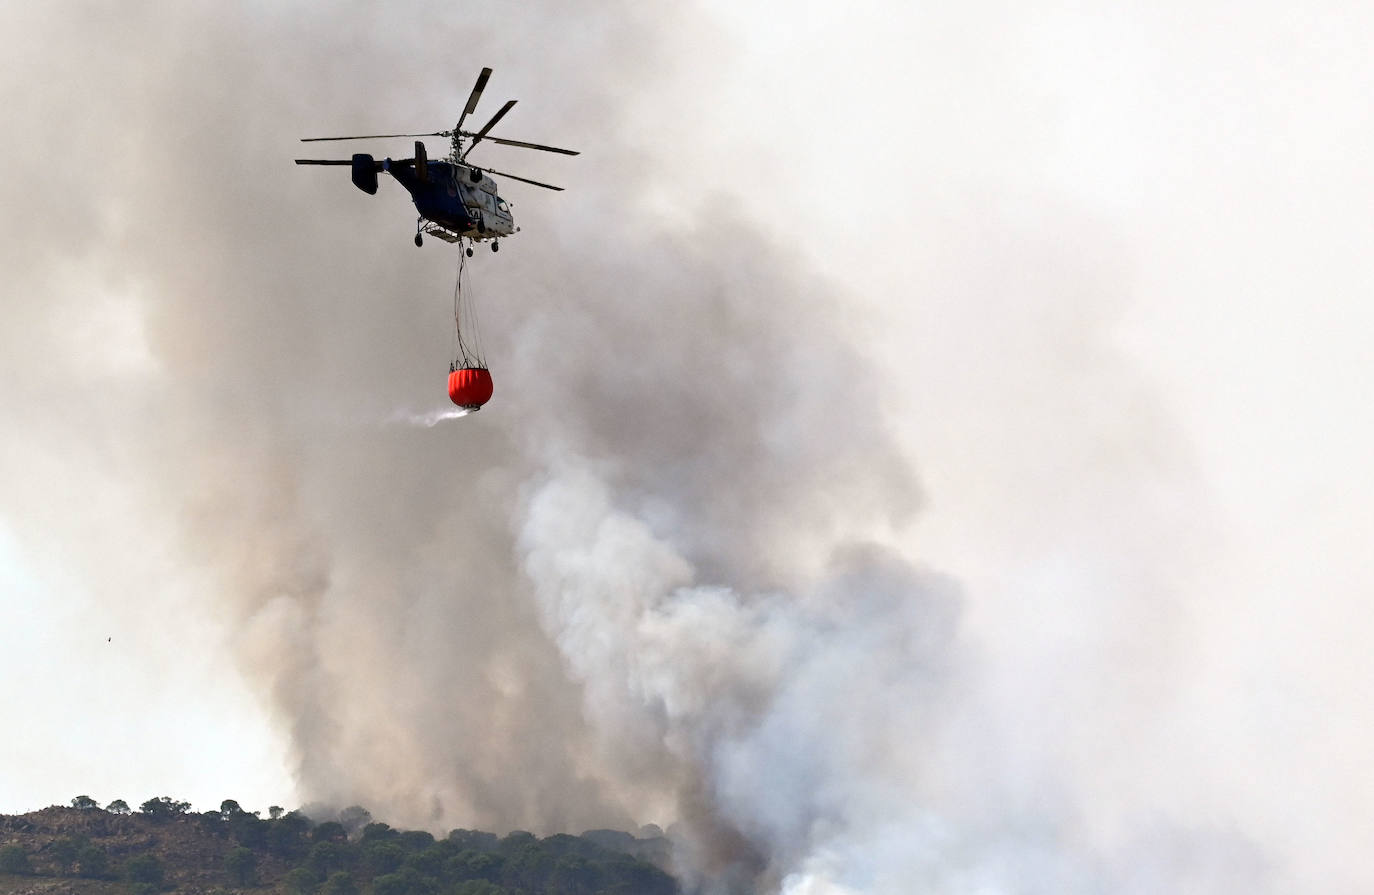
<point x="164" y="847"/>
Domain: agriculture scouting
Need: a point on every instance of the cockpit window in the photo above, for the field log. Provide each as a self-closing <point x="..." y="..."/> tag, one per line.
<point x="501" y="204"/>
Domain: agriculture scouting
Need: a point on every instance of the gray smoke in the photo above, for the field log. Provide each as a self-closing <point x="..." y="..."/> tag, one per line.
<point x="658" y="579"/>
<point x="371" y="573"/>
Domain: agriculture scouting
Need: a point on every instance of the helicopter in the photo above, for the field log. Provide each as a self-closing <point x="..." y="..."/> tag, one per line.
<point x="456" y="199"/>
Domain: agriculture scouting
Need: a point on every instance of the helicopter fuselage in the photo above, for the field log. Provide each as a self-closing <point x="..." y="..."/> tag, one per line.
<point x="447" y="195"/>
<point x="455" y="198"/>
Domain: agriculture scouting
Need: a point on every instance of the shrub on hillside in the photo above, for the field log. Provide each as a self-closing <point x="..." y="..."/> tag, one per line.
<point x="144" y="869"/>
<point x="92" y="862"/>
<point x="64" y="851"/>
<point x="13" y="859"/>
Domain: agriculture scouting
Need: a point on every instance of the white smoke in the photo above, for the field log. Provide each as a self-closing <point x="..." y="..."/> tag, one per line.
<point x="808" y="715"/>
<point x="846" y="735"/>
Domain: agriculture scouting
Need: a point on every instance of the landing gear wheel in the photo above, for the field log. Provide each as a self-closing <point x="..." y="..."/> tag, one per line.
<point x="469" y="251"/>
<point x="496" y="246"/>
<point x="481" y="226"/>
<point x="419" y="240"/>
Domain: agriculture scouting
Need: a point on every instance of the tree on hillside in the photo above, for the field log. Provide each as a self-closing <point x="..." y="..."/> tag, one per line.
<point x="416" y="840"/>
<point x="228" y="808"/>
<point x="118" y="806"/>
<point x="241" y="866"/>
<point x="288" y="836"/>
<point x="473" y="839"/>
<point x="478" y="887"/>
<point x="429" y="862"/>
<point x="330" y="831"/>
<point x="390" y="884"/>
<point x="212" y="822"/>
<point x="13" y="859"/>
<point x="354" y="818"/>
<point x="164" y="808"/>
<point x="300" y="882"/>
<point x="248" y="830"/>
<point x="626" y="874"/>
<point x="85" y="803"/>
<point x="327" y="857"/>
<point x="376" y="832"/>
<point x="383" y="857"/>
<point x="275" y="811"/>
<point x="475" y="865"/>
<point x="574" y="875"/>
<point x="528" y="867"/>
<point x="340" y="883"/>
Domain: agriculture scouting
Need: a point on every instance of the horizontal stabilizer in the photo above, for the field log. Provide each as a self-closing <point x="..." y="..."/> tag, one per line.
<point x="372" y="137"/>
<point x="344" y="161"/>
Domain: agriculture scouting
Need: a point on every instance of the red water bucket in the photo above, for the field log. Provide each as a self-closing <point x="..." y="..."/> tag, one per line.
<point x="470" y="387"/>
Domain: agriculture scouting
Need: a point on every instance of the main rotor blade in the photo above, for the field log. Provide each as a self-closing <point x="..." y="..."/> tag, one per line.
<point x="505" y="142"/>
<point x="374" y="137"/>
<point x="547" y="186"/>
<point x="477" y="137"/>
<point x="474" y="96"/>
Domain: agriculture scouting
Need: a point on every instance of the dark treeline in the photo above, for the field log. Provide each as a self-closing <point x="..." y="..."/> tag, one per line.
<point x="163" y="846"/>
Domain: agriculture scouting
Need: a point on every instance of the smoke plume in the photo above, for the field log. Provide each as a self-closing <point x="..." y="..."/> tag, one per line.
<point x="667" y="574"/>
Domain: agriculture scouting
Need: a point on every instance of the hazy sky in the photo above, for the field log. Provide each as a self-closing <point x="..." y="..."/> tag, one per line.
<point x="929" y="446"/>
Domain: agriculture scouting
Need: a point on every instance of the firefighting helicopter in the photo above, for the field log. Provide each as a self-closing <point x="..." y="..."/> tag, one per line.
<point x="456" y="200"/>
